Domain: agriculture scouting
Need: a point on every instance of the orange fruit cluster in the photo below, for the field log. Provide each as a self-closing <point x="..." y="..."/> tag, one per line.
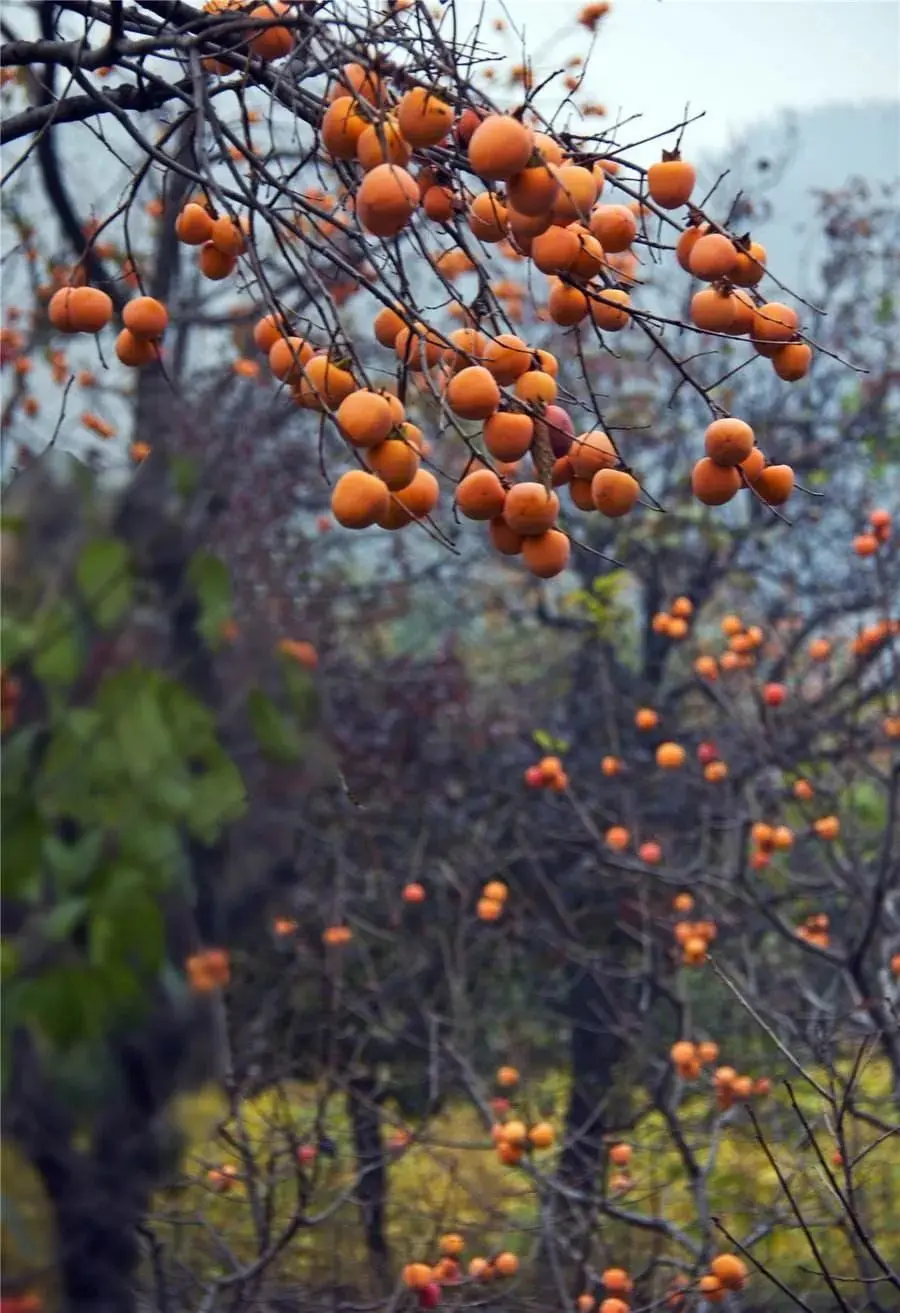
<point x="694" y="939"/>
<point x="814" y="930"/>
<point x="675" y="622"/>
<point x="878" y="533"/>
<point x="548" y="773"/>
<point x="208" y="970"/>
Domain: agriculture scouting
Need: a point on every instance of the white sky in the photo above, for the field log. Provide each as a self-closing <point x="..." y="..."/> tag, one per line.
<point x="739" y="60"/>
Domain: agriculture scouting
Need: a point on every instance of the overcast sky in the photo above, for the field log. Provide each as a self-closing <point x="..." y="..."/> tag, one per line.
<point x="739" y="60"/>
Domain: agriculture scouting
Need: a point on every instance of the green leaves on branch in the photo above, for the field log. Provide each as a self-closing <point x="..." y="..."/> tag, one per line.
<point x="96" y="810"/>
<point x="278" y="737"/>
<point x="105" y="582"/>
<point x="208" y="576"/>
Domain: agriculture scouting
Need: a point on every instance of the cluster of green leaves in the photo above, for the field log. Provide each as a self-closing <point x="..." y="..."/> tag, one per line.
<point x="99" y="794"/>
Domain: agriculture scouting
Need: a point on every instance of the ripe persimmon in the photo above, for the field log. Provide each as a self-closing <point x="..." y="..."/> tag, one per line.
<point x="750" y="265"/>
<point x="542" y="1135"/>
<point x="394" y="461"/>
<point x="414" y="502"/>
<point x="467" y="348"/>
<point x="774" y="324"/>
<point x="556" y="250"/>
<point x="508" y="435"/>
<point x="79" y="310"/>
<point x="712" y="256"/>
<point x="386" y="326"/>
<point x="617" y="837"/>
<point x="358" y="499"/>
<point x="744" y="310"/>
<point x="670" y="181"/>
<point x="227" y="236"/>
<point x="507" y="356"/>
<point x="714" y="309"/>
<point x="729" y="441"/>
<point x="620" y="1154"/>
<point x="577" y="193"/>
<point x="354" y="80"/>
<point x="711" y="1289"/>
<point x="567" y="305"/>
<point x="416" y="1276"/>
<point x="287" y="358"/>
<point x="775" y="484"/>
<point x="323" y="383"/>
<point x="135" y="351"/>
<point x="419" y="347"/>
<point x="480" y="495"/>
<point x="530" y="509"/>
<point x="274" y="41"/>
<point x="532" y="192"/>
<point x="386" y="200"/>
<point x="473" y="393"/>
<point x="438" y="204"/>
<point x="792" y="361"/>
<point x="423" y="117"/>
<point x="342" y="128"/>
<point x="504" y="539"/>
<point x="382" y="143"/>
<point x="365" y="418"/>
<point x="609" y="309"/>
<point x="753" y="465"/>
<point x="730" y="1271"/>
<point x="487" y="217"/>
<point x="500" y="147"/>
<point x="546" y="554"/>
<point x="714" y="484"/>
<point x="617" y="1281"/>
<point x="686" y="243"/>
<point x="670" y="756"/>
<point x="536" y="387"/>
<point x="215" y="264"/>
<point x="614" y="492"/>
<point x="614" y="226"/>
<point x="591" y="452"/>
<point x="267" y="331"/>
<point x="194" y="225"/>
<point x="145" y="317"/>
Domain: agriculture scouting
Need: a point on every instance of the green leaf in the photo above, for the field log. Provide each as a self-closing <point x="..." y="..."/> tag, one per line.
<point x="276" y="736"/>
<point x="126" y="925"/>
<point x="543" y="739"/>
<point x="59" y="923"/>
<point x="218" y="797"/>
<point x="208" y="576"/>
<point x="103" y="575"/>
<point x="141" y="731"/>
<point x="9" y="960"/>
<point x="23" y="832"/>
<point x="58" y="652"/>
<point x="73" y="863"/>
<point x="303" y="694"/>
<point x="152" y="844"/>
<point x="17" y="639"/>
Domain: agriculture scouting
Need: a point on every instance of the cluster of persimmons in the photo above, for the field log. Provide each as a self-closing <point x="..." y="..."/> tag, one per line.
<point x="409" y="153"/>
<point x="427" y="1279"/>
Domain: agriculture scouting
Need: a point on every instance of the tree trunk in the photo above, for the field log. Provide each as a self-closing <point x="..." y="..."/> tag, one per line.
<point x="371" y="1189"/>
<point x="595" y="1048"/>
